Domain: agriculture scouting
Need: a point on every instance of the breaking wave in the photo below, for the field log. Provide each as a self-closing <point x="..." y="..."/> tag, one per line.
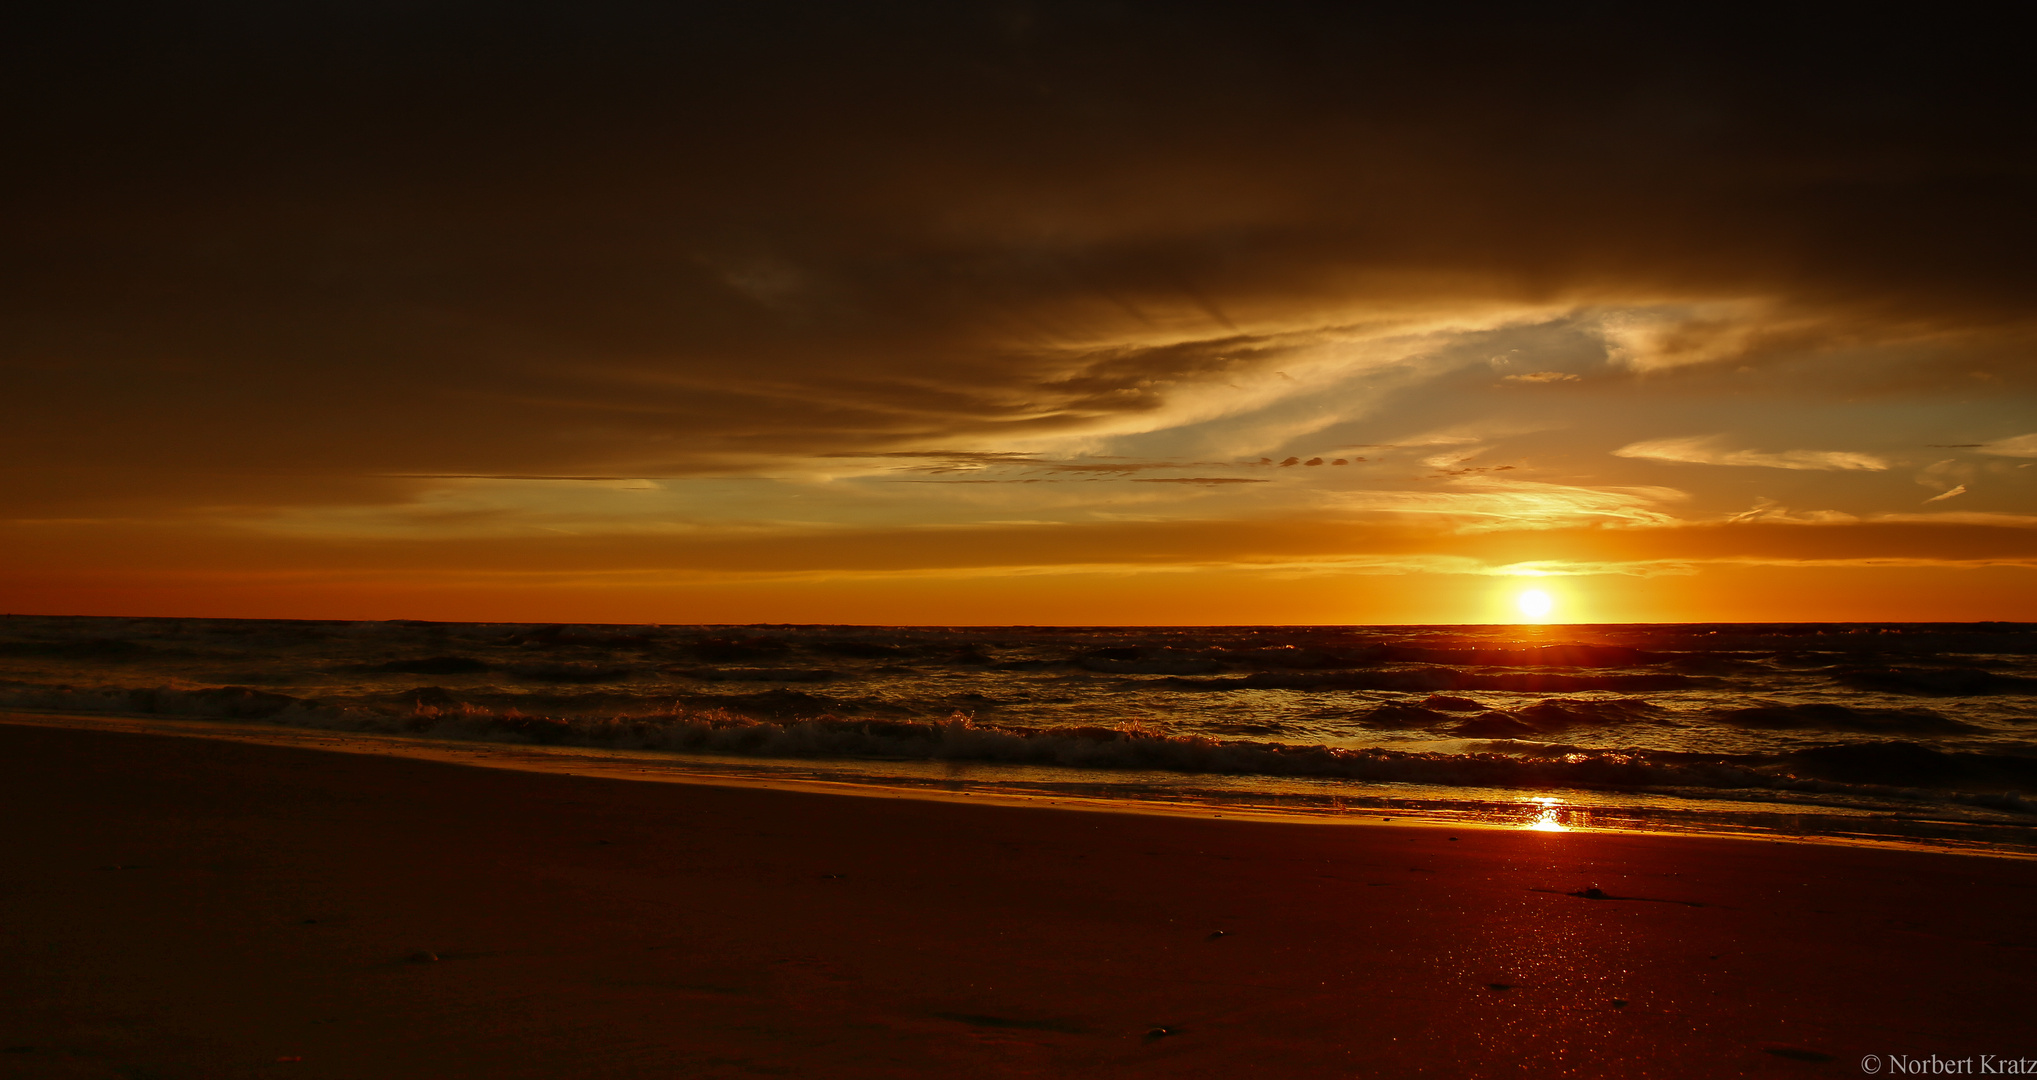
<point x="1900" y="770"/>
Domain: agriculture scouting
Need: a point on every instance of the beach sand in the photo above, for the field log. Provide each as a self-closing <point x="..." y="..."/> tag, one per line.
<point x="177" y="907"/>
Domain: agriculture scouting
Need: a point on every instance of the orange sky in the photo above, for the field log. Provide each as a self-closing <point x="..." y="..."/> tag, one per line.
<point x="1042" y="314"/>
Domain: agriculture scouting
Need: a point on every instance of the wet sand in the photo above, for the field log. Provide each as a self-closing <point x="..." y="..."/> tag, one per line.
<point x="177" y="907"/>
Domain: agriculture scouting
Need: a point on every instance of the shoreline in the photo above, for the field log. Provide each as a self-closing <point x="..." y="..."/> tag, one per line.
<point x="670" y="767"/>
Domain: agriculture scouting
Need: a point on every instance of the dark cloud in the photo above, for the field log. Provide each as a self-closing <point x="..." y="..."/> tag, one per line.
<point x="446" y="237"/>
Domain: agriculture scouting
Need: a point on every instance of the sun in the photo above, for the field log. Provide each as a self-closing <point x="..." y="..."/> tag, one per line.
<point x="1535" y="604"/>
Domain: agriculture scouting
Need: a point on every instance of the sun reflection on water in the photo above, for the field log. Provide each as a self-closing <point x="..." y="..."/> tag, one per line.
<point x="1548" y="817"/>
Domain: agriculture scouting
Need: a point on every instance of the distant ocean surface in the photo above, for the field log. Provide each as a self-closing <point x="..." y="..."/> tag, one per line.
<point x="1917" y="733"/>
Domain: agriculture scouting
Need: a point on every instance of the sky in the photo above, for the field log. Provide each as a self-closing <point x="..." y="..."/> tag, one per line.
<point x="1017" y="313"/>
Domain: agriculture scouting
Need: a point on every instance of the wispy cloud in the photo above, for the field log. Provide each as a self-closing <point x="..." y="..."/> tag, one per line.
<point x="1480" y="502"/>
<point x="1582" y="568"/>
<point x="2020" y="446"/>
<point x="1656" y="339"/>
<point x="2004" y="521"/>
<point x="1770" y="512"/>
<point x="1709" y="450"/>
<point x="946" y="461"/>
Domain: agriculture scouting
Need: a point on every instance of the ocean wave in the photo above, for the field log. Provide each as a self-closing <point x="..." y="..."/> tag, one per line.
<point x="859" y="649"/>
<point x="1778" y="716"/>
<point x="1443" y="678"/>
<point x="430" y="665"/>
<point x="568" y="671"/>
<point x="1913" y="765"/>
<point x="722" y="650"/>
<point x="1584" y="656"/>
<point x="1138" y="661"/>
<point x="1401" y="716"/>
<point x="1553" y="716"/>
<point x="1299" y="657"/>
<point x="1885" y="770"/>
<point x="755" y="674"/>
<point x="1934" y="682"/>
<point x="85" y="649"/>
<point x="217" y="702"/>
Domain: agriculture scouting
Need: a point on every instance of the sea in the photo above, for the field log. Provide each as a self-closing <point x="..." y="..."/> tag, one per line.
<point x="1921" y="735"/>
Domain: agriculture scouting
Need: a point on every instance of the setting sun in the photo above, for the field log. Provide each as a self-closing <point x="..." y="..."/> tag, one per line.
<point x="1535" y="604"/>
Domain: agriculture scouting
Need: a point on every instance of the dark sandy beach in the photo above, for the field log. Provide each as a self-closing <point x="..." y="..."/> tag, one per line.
<point x="175" y="907"/>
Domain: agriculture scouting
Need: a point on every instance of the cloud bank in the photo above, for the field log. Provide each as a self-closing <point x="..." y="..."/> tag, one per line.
<point x="332" y="273"/>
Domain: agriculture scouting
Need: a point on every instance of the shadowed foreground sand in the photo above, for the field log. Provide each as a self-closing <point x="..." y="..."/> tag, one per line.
<point x="175" y="907"/>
